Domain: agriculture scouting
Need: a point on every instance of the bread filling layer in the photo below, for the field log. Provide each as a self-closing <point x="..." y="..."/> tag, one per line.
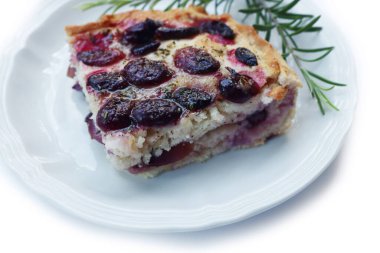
<point x="272" y="120"/>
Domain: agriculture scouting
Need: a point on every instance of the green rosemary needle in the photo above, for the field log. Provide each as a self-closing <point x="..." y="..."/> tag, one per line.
<point x="270" y="16"/>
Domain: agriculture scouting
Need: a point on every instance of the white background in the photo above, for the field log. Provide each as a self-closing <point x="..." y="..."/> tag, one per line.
<point x="340" y="212"/>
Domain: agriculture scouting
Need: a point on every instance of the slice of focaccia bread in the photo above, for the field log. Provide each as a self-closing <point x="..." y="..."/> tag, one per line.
<point x="167" y="89"/>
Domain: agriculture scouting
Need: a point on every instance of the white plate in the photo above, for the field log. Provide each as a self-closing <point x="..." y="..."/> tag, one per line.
<point x="43" y="139"/>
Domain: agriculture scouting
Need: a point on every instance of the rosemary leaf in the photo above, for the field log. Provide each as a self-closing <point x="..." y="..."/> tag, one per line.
<point x="314" y="50"/>
<point x="263" y="27"/>
<point x="250" y="10"/>
<point x="307" y="27"/>
<point x="323" y="79"/>
<point x="285" y="8"/>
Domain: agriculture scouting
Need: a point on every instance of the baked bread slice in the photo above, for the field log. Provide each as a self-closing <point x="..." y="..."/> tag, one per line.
<point x="167" y="89"/>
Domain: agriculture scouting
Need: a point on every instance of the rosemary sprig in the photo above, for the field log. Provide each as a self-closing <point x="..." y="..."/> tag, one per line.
<point x="276" y="15"/>
<point x="270" y="16"/>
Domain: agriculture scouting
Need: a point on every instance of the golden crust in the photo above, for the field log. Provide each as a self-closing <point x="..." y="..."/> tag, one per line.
<point x="278" y="93"/>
